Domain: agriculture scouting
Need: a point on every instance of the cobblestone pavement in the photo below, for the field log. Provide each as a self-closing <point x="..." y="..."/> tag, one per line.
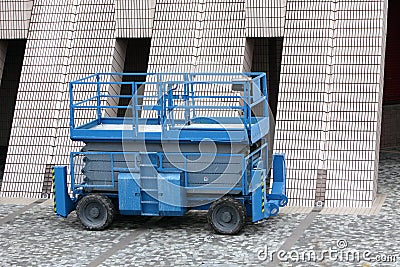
<point x="6" y="209"/>
<point x="38" y="237"/>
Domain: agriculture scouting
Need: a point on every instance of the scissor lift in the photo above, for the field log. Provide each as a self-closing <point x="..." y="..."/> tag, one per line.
<point x="188" y="141"/>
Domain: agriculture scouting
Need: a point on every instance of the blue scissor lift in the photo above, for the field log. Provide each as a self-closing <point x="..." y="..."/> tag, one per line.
<point x="187" y="141"/>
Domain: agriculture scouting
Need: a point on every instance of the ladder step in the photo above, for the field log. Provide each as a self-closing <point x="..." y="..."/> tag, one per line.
<point x="149" y="202"/>
<point x="147" y="165"/>
<point x="149" y="190"/>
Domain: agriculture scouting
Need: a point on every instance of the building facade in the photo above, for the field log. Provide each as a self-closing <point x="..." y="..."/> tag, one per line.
<point x="325" y="62"/>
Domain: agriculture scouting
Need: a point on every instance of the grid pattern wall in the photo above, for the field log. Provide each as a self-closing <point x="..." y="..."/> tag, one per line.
<point x="198" y="36"/>
<point x="134" y="18"/>
<point x="94" y="49"/>
<point x="171" y="38"/>
<point x="358" y="67"/>
<point x="329" y="106"/>
<point x="14" y="18"/>
<point x="82" y="41"/>
<point x="221" y="36"/>
<point x="265" y="18"/>
<point x="44" y="67"/>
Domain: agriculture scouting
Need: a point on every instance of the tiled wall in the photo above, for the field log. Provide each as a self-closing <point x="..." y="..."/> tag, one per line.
<point x="41" y="85"/>
<point x="329" y="108"/>
<point x="14" y="18"/>
<point x="134" y="18"/>
<point x="171" y="37"/>
<point x="195" y="36"/>
<point x="198" y="36"/>
<point x="265" y="18"/>
<point x="82" y="38"/>
<point x="94" y="49"/>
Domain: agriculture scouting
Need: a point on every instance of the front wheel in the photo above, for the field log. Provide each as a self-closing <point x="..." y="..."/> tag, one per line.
<point x="227" y="216"/>
<point x="95" y="211"/>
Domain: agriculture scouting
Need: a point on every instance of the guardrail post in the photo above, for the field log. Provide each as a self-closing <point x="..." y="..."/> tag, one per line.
<point x="263" y="83"/>
<point x="72" y="170"/>
<point x="63" y="204"/>
<point x="112" y="169"/>
<point x="192" y="94"/>
<point x="244" y="177"/>
<point x="135" y="114"/>
<point x="186" y="97"/>
<point x="71" y="106"/>
<point x="247" y="102"/>
<point x="98" y="98"/>
<point x="171" y="108"/>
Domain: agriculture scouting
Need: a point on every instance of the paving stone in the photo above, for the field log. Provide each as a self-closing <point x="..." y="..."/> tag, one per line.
<point x="6" y="209"/>
<point x="379" y="235"/>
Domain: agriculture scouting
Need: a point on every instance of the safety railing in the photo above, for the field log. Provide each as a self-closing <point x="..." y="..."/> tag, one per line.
<point x="107" y="165"/>
<point x="167" y="99"/>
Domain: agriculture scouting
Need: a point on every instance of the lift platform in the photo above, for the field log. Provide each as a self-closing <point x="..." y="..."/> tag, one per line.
<point x="179" y="106"/>
<point x="186" y="141"/>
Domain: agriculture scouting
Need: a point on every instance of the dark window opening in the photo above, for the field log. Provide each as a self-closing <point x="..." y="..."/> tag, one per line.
<point x="136" y="60"/>
<point x="11" y="74"/>
<point x="267" y="57"/>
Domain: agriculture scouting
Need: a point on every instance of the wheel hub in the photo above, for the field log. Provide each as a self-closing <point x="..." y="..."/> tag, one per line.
<point x="226" y="216"/>
<point x="94" y="212"/>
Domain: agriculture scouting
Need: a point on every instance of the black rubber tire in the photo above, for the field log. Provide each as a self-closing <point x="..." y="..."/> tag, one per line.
<point x="233" y="222"/>
<point x="95" y="211"/>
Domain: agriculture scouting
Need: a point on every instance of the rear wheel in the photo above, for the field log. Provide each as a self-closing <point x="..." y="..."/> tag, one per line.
<point x="95" y="211"/>
<point x="227" y="216"/>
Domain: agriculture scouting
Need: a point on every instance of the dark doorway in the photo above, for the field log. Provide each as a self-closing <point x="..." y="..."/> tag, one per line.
<point x="267" y="57"/>
<point x="8" y="93"/>
<point x="136" y="60"/>
<point x="390" y="128"/>
<point x="391" y="92"/>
